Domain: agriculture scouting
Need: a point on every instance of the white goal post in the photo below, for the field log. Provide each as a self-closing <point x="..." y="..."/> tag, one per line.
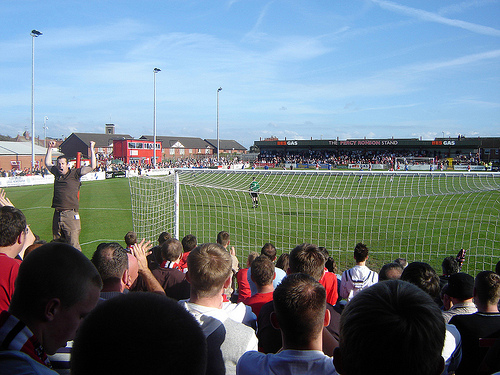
<point x="420" y="216"/>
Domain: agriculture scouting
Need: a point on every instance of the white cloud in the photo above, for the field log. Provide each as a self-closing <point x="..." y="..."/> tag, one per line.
<point x="464" y="6"/>
<point x="433" y="17"/>
<point x="476" y="103"/>
<point x="255" y="34"/>
<point x="464" y="60"/>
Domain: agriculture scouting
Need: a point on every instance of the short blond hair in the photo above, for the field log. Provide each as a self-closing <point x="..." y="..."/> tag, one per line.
<point x="209" y="266"/>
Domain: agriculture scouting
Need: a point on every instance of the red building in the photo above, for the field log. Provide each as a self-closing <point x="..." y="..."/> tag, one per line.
<point x="138" y="151"/>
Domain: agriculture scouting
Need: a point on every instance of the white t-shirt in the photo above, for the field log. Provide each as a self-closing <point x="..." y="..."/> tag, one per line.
<point x="356" y="279"/>
<point x="233" y="339"/>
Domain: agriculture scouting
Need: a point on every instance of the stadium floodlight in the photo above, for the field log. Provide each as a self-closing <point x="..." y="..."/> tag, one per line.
<point x="218" y="90"/>
<point x="34" y="34"/>
<point x="155" y="70"/>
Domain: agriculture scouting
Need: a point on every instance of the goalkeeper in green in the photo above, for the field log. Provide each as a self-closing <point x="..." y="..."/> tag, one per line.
<point x="254" y="192"/>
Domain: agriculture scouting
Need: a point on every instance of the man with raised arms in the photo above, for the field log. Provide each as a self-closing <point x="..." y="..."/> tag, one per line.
<point x="66" y="220"/>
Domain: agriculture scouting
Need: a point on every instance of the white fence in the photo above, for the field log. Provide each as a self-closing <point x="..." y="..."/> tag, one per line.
<point x="98" y="176"/>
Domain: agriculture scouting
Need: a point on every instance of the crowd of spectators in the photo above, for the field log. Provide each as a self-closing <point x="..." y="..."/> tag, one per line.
<point x="343" y="157"/>
<point x="24" y="172"/>
<point x="174" y="163"/>
<point x="334" y="158"/>
<point x="200" y="312"/>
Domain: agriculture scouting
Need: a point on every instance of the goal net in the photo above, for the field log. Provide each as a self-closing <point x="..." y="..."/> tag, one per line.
<point x="420" y="216"/>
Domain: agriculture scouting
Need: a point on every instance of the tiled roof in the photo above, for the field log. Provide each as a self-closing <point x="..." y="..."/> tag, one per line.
<point x="20" y="148"/>
<point x="100" y="139"/>
<point x="226" y="144"/>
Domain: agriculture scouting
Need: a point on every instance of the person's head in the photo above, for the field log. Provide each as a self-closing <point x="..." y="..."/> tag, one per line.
<point x="401" y="261"/>
<point x="390" y="271"/>
<point x="171" y="250"/>
<point x="106" y="334"/>
<point x="283" y="261"/>
<point x="163" y="237"/>
<point x="56" y="287"/>
<point x="262" y="271"/>
<point x="360" y="252"/>
<point x="251" y="257"/>
<point x="111" y="261"/>
<point x="397" y="327"/>
<point x="189" y="242"/>
<point x="62" y="164"/>
<point x="12" y="227"/>
<point x="324" y="251"/>
<point x="209" y="269"/>
<point x="300" y="309"/>
<point x="330" y="264"/>
<point x="445" y="298"/>
<point x="460" y="286"/>
<point x="487" y="288"/>
<point x="422" y="275"/>
<point x="130" y="238"/>
<point x="32" y="247"/>
<point x="223" y="238"/>
<point x="450" y="266"/>
<point x="155" y="258"/>
<point x="269" y="251"/>
<point x="306" y="258"/>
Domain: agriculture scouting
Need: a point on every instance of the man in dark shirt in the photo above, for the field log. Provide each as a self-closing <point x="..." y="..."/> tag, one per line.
<point x="484" y="324"/>
<point x="172" y="280"/>
<point x="66" y="220"/>
<point x="305" y="258"/>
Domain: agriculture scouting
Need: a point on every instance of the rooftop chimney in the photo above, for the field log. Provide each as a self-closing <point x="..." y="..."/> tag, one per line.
<point x="110" y="129"/>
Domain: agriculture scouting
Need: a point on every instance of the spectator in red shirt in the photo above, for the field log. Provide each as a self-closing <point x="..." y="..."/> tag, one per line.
<point x="189" y="242"/>
<point x="12" y="238"/>
<point x="329" y="281"/>
<point x="241" y="278"/>
<point x="262" y="275"/>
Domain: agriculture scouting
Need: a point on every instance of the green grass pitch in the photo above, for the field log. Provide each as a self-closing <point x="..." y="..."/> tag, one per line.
<point x="105" y="211"/>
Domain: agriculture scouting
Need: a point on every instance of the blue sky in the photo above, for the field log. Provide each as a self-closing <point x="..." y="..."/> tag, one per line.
<point x="287" y="68"/>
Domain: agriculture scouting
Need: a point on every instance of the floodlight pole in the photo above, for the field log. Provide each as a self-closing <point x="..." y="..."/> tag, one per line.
<point x="218" y="142"/>
<point x="45" y="131"/>
<point x="34" y="34"/>
<point x="155" y="70"/>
